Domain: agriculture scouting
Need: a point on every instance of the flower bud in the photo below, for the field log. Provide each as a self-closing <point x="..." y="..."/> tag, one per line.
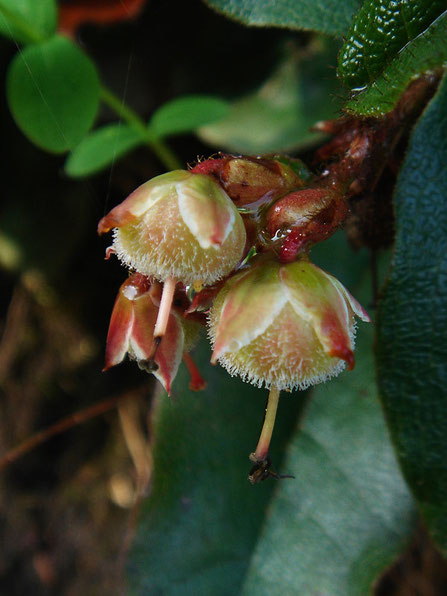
<point x="131" y="331"/>
<point x="248" y="180"/>
<point x="178" y="225"/>
<point x="305" y="217"/>
<point x="285" y="326"/>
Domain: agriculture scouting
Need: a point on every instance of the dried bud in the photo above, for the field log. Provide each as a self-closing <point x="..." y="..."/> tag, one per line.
<point x="178" y="225"/>
<point x="131" y="331"/>
<point x="285" y="326"/>
<point x="249" y="180"/>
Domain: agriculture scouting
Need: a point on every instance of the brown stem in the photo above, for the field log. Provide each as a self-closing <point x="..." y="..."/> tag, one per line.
<point x="63" y="425"/>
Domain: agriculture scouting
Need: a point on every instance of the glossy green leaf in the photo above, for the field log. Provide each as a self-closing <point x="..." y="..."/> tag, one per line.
<point x="325" y="16"/>
<point x="426" y="52"/>
<point x="379" y="30"/>
<point x="199" y="528"/>
<point x="101" y="148"/>
<point x="412" y="331"/>
<point x="348" y="513"/>
<point x="27" y="21"/>
<point x="186" y="114"/>
<point x="53" y="93"/>
<point x="279" y="115"/>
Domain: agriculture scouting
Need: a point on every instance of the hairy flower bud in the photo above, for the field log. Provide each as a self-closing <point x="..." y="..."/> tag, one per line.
<point x="178" y="225"/>
<point x="285" y="326"/>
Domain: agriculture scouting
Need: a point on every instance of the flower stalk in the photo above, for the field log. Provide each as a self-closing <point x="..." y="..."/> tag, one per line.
<point x="260" y="458"/>
<point x="165" y="307"/>
<point x="262" y="449"/>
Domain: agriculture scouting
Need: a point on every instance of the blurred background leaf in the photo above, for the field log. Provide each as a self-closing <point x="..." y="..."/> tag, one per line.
<point x="186" y="114"/>
<point x="325" y="16"/>
<point x="28" y="20"/>
<point x="278" y="116"/>
<point x="53" y="93"/>
<point x="412" y="322"/>
<point x="101" y="148"/>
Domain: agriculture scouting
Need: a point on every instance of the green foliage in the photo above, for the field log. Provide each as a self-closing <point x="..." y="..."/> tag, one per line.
<point x="426" y="52"/>
<point x="53" y="93"/>
<point x="186" y="114"/>
<point x="348" y="513"/>
<point x="101" y="148"/>
<point x="27" y="21"/>
<point x="324" y="16"/>
<point x="412" y="330"/>
<point x="278" y="116"/>
<point x="380" y="29"/>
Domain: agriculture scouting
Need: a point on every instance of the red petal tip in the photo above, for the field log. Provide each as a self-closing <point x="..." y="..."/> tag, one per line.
<point x="107" y="366"/>
<point x="345" y="354"/>
<point x="103" y="226"/>
<point x="109" y="252"/>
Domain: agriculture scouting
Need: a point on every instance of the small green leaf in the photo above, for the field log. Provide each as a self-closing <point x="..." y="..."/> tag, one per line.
<point x="278" y="116"/>
<point x="27" y="21"/>
<point x="186" y="114"/>
<point x="200" y="525"/>
<point x="412" y="330"/>
<point x="100" y="148"/>
<point x="53" y="93"/>
<point x="348" y="513"/>
<point x="428" y="51"/>
<point x="324" y="16"/>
